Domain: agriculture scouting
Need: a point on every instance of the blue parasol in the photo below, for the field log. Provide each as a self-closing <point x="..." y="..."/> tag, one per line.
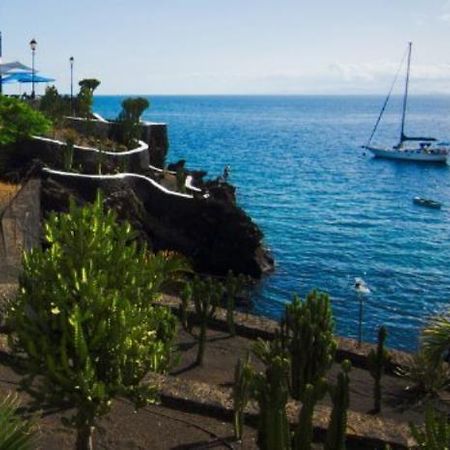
<point x="26" y="78"/>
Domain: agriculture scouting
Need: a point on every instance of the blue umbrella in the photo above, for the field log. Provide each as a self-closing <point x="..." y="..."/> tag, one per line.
<point x="26" y="78"/>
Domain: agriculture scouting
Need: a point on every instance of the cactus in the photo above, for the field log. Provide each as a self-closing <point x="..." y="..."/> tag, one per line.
<point x="271" y="392"/>
<point x="241" y="394"/>
<point x="206" y="295"/>
<point x="306" y="332"/>
<point x="376" y="361"/>
<point x="335" y="439"/>
<point x="186" y="297"/>
<point x="304" y="433"/>
<point x="233" y="286"/>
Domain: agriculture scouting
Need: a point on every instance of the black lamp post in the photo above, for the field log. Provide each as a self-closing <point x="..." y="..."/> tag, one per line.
<point x="33" y="45"/>
<point x="71" y="84"/>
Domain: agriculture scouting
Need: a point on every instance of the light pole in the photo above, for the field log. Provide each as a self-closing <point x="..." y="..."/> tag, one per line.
<point x="33" y="45"/>
<point x="71" y="84"/>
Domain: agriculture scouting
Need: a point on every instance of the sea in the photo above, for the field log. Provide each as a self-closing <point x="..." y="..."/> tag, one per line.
<point x="330" y="212"/>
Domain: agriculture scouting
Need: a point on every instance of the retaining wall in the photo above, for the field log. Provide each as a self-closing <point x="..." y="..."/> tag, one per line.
<point x="20" y="228"/>
<point x="153" y="134"/>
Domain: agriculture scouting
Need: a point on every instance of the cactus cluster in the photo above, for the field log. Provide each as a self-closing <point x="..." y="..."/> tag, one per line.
<point x="306" y="333"/>
<point x="241" y="394"/>
<point x="271" y="391"/>
<point x="233" y="287"/>
<point x="335" y="439"/>
<point x="377" y="360"/>
<point x="303" y="435"/>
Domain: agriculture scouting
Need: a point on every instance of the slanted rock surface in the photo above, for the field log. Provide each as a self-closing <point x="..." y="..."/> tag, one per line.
<point x="214" y="233"/>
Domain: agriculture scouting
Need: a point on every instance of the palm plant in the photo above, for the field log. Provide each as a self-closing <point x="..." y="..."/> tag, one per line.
<point x="435" y="433"/>
<point x="15" y="432"/>
<point x="436" y="338"/>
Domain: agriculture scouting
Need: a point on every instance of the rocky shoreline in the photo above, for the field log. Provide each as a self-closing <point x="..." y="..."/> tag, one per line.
<point x="207" y="225"/>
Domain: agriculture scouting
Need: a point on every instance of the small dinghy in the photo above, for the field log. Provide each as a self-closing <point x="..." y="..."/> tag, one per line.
<point x="428" y="203"/>
<point x="360" y="286"/>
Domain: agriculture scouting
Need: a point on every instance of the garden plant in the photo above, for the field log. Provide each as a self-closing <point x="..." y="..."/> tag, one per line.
<point x="85" y="322"/>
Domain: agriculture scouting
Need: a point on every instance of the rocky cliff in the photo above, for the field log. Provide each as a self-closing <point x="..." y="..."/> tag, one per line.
<point x="215" y="234"/>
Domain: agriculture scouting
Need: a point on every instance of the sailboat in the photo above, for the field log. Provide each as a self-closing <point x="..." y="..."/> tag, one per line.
<point x="425" y="149"/>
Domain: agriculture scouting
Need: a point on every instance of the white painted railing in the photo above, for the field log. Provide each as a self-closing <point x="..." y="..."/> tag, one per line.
<point x="142" y="147"/>
<point x="118" y="176"/>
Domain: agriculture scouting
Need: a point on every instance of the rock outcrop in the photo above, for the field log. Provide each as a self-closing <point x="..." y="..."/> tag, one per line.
<point x="214" y="234"/>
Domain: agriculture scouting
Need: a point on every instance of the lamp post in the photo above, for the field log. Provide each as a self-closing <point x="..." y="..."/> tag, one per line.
<point x="33" y="45"/>
<point x="71" y="84"/>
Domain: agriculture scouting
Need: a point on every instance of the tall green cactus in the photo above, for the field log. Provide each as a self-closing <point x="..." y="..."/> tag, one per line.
<point x="233" y="287"/>
<point x="241" y="394"/>
<point x="303" y="435"/>
<point x="376" y="361"/>
<point x="206" y="295"/>
<point x="335" y="439"/>
<point x="271" y="392"/>
<point x="307" y="334"/>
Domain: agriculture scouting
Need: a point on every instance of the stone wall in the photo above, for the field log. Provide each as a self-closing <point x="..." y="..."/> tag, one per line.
<point x="153" y="134"/>
<point x="20" y="229"/>
<point x="52" y="152"/>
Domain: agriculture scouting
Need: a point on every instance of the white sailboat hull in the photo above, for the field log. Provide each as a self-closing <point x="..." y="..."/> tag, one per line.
<point x="436" y="155"/>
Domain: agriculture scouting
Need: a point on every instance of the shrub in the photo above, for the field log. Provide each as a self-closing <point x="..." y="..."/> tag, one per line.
<point x="436" y="338"/>
<point x="129" y="120"/>
<point x="15" y="433"/>
<point x="54" y="105"/>
<point x="84" y="318"/>
<point x="427" y="377"/>
<point x="19" y="121"/>
<point x="84" y="98"/>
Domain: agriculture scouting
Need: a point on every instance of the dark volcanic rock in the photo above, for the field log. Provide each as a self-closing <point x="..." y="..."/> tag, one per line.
<point x="215" y="234"/>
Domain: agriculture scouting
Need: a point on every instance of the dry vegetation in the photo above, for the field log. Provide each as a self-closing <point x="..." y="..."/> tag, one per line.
<point x="7" y="192"/>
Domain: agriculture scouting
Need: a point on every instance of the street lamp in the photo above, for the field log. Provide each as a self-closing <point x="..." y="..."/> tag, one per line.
<point x="71" y="84"/>
<point x="33" y="45"/>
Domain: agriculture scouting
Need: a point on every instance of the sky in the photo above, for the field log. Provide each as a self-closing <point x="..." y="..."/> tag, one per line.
<point x="232" y="46"/>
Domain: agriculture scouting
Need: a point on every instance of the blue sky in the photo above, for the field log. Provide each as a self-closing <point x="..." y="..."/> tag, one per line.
<point x="232" y="46"/>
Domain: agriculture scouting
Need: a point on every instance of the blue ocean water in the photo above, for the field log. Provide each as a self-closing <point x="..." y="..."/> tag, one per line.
<point x="329" y="212"/>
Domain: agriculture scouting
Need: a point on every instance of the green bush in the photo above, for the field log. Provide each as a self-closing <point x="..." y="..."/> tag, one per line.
<point x="85" y="318"/>
<point x="85" y="96"/>
<point x="15" y="433"/>
<point x="54" y="105"/>
<point x="19" y="121"/>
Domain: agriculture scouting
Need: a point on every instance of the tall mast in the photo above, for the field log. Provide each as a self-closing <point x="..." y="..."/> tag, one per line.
<point x="405" y="97"/>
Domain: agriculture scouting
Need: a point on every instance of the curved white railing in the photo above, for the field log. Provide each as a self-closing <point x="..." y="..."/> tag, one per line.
<point x="142" y="147"/>
<point x="118" y="176"/>
<point x="189" y="184"/>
